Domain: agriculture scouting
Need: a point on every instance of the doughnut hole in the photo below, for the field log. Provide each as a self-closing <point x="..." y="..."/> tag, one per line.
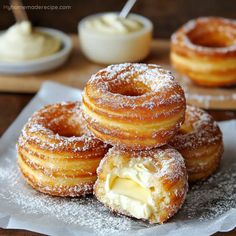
<point x="132" y="88"/>
<point x="213" y="37"/>
<point x="65" y="125"/>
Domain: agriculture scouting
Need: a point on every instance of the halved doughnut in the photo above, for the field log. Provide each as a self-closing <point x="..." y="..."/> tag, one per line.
<point x="149" y="185"/>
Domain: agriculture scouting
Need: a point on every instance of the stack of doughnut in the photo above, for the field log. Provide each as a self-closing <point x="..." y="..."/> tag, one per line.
<point x="132" y="142"/>
<point x="158" y="142"/>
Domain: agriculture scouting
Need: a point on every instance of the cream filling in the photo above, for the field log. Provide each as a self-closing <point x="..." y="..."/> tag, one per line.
<point x="112" y="24"/>
<point x="129" y="189"/>
<point x="21" y="42"/>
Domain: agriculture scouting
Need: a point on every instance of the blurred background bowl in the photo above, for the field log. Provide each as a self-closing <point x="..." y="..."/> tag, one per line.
<point x="166" y="15"/>
<point x="43" y="64"/>
<point x="116" y="48"/>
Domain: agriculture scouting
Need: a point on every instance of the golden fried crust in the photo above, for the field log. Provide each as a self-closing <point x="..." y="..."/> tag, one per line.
<point x="166" y="179"/>
<point x="133" y="106"/>
<point x="205" y="50"/>
<point x="56" y="154"/>
<point x="200" y="143"/>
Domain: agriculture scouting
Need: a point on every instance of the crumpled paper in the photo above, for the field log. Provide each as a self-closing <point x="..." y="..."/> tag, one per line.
<point x="210" y="206"/>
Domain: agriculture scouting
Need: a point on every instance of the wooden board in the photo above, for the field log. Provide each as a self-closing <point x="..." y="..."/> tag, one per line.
<point x="78" y="70"/>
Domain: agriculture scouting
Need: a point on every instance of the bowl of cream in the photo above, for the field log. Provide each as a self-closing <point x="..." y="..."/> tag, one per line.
<point x="25" y="49"/>
<point x="106" y="38"/>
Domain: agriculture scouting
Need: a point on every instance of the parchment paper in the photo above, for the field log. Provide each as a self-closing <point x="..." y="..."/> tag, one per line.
<point x="210" y="206"/>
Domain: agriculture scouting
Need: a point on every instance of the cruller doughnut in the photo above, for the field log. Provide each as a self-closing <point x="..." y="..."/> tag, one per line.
<point x="200" y="143"/>
<point x="205" y="50"/>
<point x="136" y="106"/>
<point x="56" y="154"/>
<point x="149" y="185"/>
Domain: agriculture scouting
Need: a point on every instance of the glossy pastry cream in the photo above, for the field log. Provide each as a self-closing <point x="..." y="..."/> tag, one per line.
<point x="21" y="43"/>
<point x="111" y="23"/>
<point x="129" y="189"/>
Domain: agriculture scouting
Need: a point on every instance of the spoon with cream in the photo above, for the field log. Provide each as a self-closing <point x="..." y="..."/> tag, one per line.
<point x="19" y="11"/>
<point x="126" y="9"/>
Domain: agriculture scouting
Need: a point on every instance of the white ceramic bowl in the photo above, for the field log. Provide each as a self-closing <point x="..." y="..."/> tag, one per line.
<point x="41" y="64"/>
<point x="107" y="48"/>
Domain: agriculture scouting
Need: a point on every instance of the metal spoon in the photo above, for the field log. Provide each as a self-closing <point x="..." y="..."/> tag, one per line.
<point x="19" y="11"/>
<point x="126" y="9"/>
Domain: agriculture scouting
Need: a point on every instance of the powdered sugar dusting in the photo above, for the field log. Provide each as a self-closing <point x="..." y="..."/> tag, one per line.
<point x="84" y="211"/>
<point x="53" y="145"/>
<point x="65" y="115"/>
<point x="148" y="81"/>
<point x="210" y="199"/>
<point x="175" y="162"/>
<point x="152" y="75"/>
<point x="206" y="100"/>
<point x="169" y="163"/>
<point x="204" y="131"/>
<point x="205" y="200"/>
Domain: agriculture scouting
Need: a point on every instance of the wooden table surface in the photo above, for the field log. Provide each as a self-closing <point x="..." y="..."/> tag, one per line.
<point x="12" y="104"/>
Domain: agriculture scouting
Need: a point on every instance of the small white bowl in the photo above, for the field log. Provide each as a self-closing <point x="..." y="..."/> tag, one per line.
<point x="109" y="48"/>
<point x="41" y="64"/>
